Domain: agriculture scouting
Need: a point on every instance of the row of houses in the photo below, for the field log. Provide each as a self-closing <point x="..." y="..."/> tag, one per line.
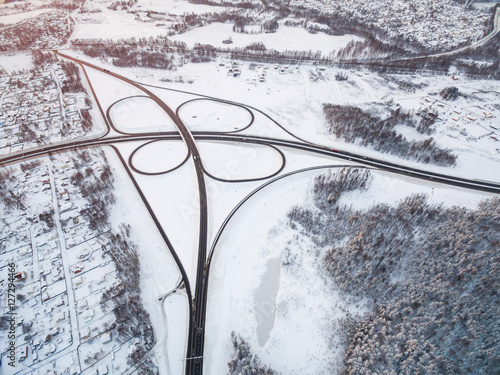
<point x="442" y="24"/>
<point x="34" y="108"/>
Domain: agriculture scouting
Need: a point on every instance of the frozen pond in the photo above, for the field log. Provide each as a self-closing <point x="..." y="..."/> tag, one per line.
<point x="265" y="300"/>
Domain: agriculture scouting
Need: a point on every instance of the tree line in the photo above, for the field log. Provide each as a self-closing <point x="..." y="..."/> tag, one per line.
<point x="244" y="361"/>
<point x="351" y="124"/>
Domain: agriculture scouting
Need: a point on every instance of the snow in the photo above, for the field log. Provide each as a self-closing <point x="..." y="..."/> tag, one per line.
<point x="265" y="300"/>
<point x="72" y="309"/>
<point x="159" y="273"/>
<point x="18" y="17"/>
<point x="160" y="156"/>
<point x="176" y="313"/>
<point x="140" y="114"/>
<point x="285" y="38"/>
<point x="224" y="197"/>
<point x="156" y="254"/>
<point x="15" y="61"/>
<point x="177" y="7"/>
<point x="268" y="285"/>
<point x="409" y="133"/>
<point x="210" y="115"/>
<point x="174" y="196"/>
<point x="174" y="199"/>
<point x="291" y="319"/>
<point x="391" y="189"/>
<point x="231" y="161"/>
<point x="109" y="89"/>
<point x="115" y="25"/>
<point x="296" y="102"/>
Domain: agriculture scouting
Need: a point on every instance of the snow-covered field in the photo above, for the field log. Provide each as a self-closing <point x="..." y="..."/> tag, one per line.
<point x="285" y="38"/>
<point x="234" y="162"/>
<point x="178" y="7"/>
<point x="115" y="25"/>
<point x="279" y="311"/>
<point x="177" y="317"/>
<point x="160" y="156"/>
<point x="174" y="199"/>
<point x="15" y="61"/>
<point x="140" y="114"/>
<point x="18" y="17"/>
<point x="209" y="115"/>
<point x="147" y="18"/>
<point x="268" y="285"/>
<point x="159" y="273"/>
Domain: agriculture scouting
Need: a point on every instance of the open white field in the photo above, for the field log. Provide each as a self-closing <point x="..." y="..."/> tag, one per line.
<point x="177" y="7"/>
<point x="233" y="162"/>
<point x="175" y="202"/>
<point x="140" y="114"/>
<point x="159" y="273"/>
<point x="176" y="316"/>
<point x="285" y="38"/>
<point x="110" y="90"/>
<point x="147" y="18"/>
<point x="11" y="62"/>
<point x="160" y="156"/>
<point x="209" y="115"/>
<point x="19" y="17"/>
<point x="114" y="25"/>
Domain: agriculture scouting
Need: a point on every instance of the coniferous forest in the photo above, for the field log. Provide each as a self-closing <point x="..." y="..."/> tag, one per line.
<point x="429" y="271"/>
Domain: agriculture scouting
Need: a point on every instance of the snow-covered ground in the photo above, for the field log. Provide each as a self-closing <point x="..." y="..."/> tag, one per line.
<point x="115" y="25"/>
<point x="178" y="7"/>
<point x="177" y="318"/>
<point x="285" y="38"/>
<point x="174" y="199"/>
<point x="68" y="270"/>
<point x="250" y="293"/>
<point x="18" y="17"/>
<point x="209" y="115"/>
<point x="159" y="271"/>
<point x="15" y="61"/>
<point x="158" y="262"/>
<point x="234" y="162"/>
<point x="140" y="114"/>
<point x="110" y="89"/>
<point x="295" y="99"/>
<point x="160" y="156"/>
<point x="174" y="196"/>
<point x="147" y="18"/>
<point x="268" y="285"/>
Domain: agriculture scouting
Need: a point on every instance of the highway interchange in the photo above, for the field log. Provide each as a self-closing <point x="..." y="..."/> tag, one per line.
<point x="198" y="297"/>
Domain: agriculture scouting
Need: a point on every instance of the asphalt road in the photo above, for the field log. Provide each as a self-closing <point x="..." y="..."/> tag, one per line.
<point x="197" y="308"/>
<point x="196" y="338"/>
